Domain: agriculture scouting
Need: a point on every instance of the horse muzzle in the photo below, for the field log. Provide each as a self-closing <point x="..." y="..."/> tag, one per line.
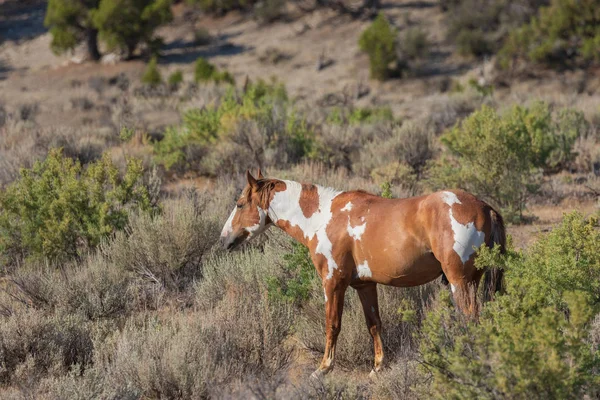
<point x="230" y="243"/>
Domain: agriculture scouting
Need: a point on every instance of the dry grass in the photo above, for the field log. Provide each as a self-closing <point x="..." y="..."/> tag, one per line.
<point x="400" y="310"/>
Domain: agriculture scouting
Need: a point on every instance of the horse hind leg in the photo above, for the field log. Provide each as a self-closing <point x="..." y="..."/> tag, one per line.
<point x="368" y="297"/>
<point x="464" y="281"/>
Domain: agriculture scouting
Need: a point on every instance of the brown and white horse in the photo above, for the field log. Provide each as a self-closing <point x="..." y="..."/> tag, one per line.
<point x="358" y="239"/>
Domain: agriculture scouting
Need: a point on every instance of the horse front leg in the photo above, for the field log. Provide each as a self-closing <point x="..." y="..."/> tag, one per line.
<point x="335" y="290"/>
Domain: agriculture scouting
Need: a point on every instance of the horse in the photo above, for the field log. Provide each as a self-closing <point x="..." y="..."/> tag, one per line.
<point x="358" y="239"/>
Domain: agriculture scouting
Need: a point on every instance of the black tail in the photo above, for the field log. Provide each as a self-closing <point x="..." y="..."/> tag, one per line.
<point x="493" y="277"/>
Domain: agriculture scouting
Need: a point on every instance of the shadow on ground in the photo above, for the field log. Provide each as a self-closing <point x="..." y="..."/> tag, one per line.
<point x="22" y="19"/>
<point x="184" y="52"/>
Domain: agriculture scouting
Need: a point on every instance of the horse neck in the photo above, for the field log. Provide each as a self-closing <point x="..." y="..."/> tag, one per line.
<point x="286" y="212"/>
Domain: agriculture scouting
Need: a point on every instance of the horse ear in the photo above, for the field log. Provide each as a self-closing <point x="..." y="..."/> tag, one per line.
<point x="259" y="175"/>
<point x="251" y="181"/>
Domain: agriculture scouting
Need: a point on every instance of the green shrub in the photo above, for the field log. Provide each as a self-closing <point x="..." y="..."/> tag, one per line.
<point x="480" y="27"/>
<point x="57" y="209"/>
<point x="176" y="78"/>
<point x="237" y="132"/>
<point x="386" y="190"/>
<point x="484" y="90"/>
<point x="298" y="275"/>
<point x="496" y="156"/>
<point x="564" y="33"/>
<point x="379" y="42"/>
<point x="533" y="341"/>
<point x="358" y="115"/>
<point x="223" y="76"/>
<point x="71" y="23"/>
<point x="124" y="24"/>
<point x="202" y="37"/>
<point x="152" y="76"/>
<point x="205" y="72"/>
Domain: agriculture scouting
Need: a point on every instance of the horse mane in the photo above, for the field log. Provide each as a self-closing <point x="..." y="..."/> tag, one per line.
<point x="267" y="185"/>
<point x="265" y="188"/>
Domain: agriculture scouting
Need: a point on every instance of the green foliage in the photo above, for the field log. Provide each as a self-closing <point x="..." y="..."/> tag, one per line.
<point x="216" y="126"/>
<point x="152" y="76"/>
<point x="124" y="24"/>
<point x="202" y="37"/>
<point x="484" y="90"/>
<point x="357" y="116"/>
<point x="126" y="134"/>
<point x="295" y="283"/>
<point x="567" y="32"/>
<point x="479" y="27"/>
<point x="68" y="22"/>
<point x="496" y="156"/>
<point x="176" y="78"/>
<point x="57" y="209"/>
<point x="379" y="42"/>
<point x="205" y="72"/>
<point x="532" y="342"/>
<point x="386" y="190"/>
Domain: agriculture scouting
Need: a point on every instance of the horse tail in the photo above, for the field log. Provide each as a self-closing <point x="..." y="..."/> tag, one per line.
<point x="493" y="277"/>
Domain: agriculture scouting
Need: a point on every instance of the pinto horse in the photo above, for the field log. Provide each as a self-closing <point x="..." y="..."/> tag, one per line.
<point x="358" y="239"/>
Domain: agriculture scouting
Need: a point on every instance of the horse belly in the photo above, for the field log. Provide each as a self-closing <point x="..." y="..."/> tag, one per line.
<point x="408" y="265"/>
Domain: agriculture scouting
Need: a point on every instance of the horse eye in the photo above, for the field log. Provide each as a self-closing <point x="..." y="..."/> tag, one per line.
<point x="239" y="205"/>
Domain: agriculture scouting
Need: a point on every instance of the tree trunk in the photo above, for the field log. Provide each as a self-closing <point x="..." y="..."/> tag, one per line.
<point x="92" y="44"/>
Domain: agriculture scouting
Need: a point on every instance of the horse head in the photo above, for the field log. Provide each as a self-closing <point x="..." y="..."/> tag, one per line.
<point x="249" y="218"/>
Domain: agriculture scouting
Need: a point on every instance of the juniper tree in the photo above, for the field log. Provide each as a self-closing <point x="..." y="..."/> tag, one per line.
<point x="70" y="23"/>
<point x="124" y="24"/>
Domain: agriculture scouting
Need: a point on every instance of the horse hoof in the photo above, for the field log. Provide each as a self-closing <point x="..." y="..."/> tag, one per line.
<point x="373" y="375"/>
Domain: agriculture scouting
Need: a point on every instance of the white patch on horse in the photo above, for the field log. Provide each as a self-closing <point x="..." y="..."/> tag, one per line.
<point x="228" y="227"/>
<point x="357" y="231"/>
<point x="450" y="198"/>
<point x="325" y="294"/>
<point x="453" y="288"/>
<point x="466" y="237"/>
<point x="286" y="206"/>
<point x="363" y="270"/>
<point x="253" y="228"/>
<point x="347" y="207"/>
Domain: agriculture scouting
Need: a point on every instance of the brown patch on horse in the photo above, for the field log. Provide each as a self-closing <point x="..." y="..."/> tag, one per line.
<point x="309" y="199"/>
